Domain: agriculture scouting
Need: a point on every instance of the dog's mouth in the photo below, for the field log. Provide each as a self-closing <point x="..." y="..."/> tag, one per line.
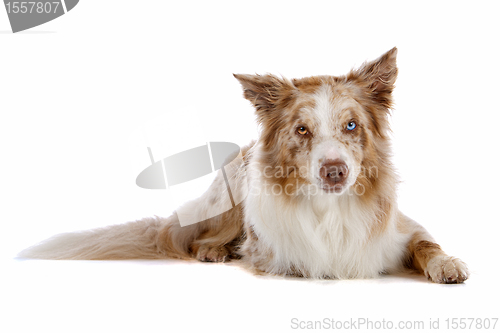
<point x="332" y="189"/>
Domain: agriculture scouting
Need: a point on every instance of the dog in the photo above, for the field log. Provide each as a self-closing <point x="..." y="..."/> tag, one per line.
<point x="321" y="192"/>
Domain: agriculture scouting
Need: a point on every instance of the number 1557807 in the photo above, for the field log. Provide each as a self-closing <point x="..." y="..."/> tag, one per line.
<point x="31" y="7"/>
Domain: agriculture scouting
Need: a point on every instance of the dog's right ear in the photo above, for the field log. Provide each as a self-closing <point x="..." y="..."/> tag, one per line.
<point x="266" y="92"/>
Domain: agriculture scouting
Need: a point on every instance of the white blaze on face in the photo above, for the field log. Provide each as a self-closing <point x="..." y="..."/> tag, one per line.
<point x="332" y="153"/>
<point x="327" y="142"/>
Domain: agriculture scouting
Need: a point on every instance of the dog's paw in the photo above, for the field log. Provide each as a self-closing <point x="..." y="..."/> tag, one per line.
<point x="212" y="254"/>
<point x="445" y="269"/>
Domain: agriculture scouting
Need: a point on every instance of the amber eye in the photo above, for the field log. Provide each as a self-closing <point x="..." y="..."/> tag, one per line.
<point x="302" y="130"/>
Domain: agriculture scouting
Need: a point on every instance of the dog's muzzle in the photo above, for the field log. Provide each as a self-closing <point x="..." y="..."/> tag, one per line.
<point x="333" y="174"/>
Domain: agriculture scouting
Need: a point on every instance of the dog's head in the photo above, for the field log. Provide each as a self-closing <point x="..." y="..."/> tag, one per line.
<point x="325" y="131"/>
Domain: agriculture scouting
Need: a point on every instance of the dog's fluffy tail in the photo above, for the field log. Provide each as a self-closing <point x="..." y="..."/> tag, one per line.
<point x="149" y="238"/>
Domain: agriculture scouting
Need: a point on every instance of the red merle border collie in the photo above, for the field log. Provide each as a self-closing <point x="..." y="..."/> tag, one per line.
<point x="321" y="199"/>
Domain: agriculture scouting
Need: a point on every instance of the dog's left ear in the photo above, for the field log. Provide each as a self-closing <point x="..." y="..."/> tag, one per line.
<point x="379" y="76"/>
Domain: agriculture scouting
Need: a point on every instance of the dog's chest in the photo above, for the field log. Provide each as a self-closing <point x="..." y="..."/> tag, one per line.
<point x="326" y="238"/>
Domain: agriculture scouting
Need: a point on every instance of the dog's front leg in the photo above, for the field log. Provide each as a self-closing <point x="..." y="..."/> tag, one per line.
<point x="428" y="258"/>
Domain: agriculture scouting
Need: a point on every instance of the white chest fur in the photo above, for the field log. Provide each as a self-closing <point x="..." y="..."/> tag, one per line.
<point x="323" y="235"/>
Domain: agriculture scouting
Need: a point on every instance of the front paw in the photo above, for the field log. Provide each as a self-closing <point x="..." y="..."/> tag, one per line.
<point x="212" y="254"/>
<point x="446" y="269"/>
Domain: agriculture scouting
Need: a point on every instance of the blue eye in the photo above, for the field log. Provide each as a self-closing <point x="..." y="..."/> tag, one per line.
<point x="351" y="126"/>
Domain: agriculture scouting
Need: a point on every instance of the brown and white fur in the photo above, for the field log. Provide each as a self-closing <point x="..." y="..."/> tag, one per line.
<point x="321" y="197"/>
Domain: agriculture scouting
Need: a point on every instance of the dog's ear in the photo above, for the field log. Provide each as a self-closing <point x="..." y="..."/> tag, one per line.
<point x="379" y="77"/>
<point x="266" y="92"/>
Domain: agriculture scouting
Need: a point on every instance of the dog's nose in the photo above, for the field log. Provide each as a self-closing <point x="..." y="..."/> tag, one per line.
<point x="334" y="172"/>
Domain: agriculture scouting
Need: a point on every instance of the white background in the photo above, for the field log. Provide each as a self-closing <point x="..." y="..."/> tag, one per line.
<point x="77" y="95"/>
